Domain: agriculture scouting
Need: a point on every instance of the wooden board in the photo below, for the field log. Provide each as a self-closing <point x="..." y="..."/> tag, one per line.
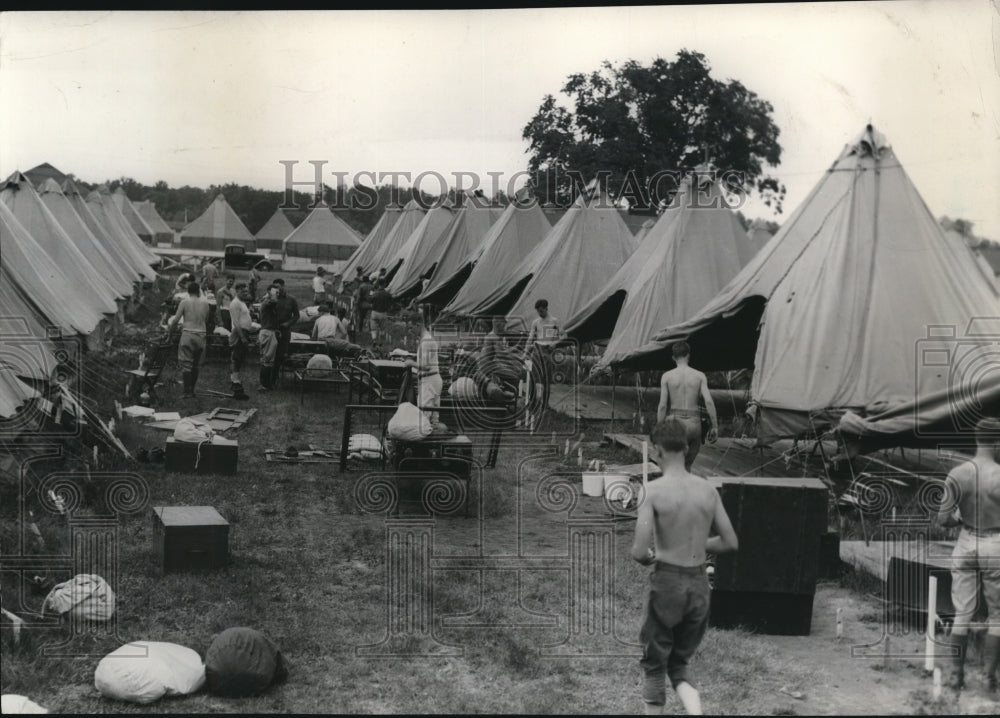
<point x="732" y="457"/>
<point x="873" y="557"/>
<point x="222" y="419"/>
<point x="595" y="402"/>
<point x="304" y="457"/>
<point x="219" y="419"/>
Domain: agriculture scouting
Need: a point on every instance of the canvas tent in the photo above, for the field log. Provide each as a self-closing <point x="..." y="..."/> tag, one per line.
<point x="119" y="234"/>
<point x="758" y="234"/>
<point x="831" y="312"/>
<point x="409" y="219"/>
<point x="463" y="245"/>
<point x="430" y="240"/>
<point x="24" y="332"/>
<point x="374" y="242"/>
<point x="323" y="239"/>
<point x="88" y="283"/>
<point x="114" y="212"/>
<point x="92" y="214"/>
<point x="111" y="268"/>
<point x="37" y="175"/>
<point x="132" y="216"/>
<point x="271" y="236"/>
<point x="694" y="249"/>
<point x="643" y="231"/>
<point x="217" y="226"/>
<point x="582" y="252"/>
<point x="162" y="234"/>
<point x="515" y="235"/>
<point x="43" y="282"/>
<point x="422" y="242"/>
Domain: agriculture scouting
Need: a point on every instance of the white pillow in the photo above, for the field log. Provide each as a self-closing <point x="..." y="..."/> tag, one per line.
<point x="145" y="671"/>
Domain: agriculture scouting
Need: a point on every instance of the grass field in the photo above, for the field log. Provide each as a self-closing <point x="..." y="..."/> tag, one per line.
<point x="309" y="569"/>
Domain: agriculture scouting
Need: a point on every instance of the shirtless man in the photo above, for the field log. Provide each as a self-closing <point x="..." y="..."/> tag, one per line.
<point x="193" y="312"/>
<point x="679" y="392"/>
<point x="972" y="500"/>
<point x="676" y="517"/>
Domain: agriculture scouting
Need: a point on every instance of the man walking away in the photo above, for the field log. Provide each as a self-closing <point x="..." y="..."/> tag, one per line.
<point x="267" y="338"/>
<point x="381" y="303"/>
<point x="209" y="273"/>
<point x="676" y="519"/>
<point x="972" y="500"/>
<point x="680" y="389"/>
<point x="239" y="338"/>
<point x="192" y="312"/>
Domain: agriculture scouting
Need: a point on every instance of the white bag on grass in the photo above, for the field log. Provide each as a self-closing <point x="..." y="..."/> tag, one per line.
<point x="193" y="430"/>
<point x="86" y="596"/>
<point x="409" y="423"/>
<point x="145" y="671"/>
<point x="11" y="704"/>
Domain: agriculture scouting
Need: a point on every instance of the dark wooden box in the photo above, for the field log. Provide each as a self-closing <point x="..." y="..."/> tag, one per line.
<point x="773" y="614"/>
<point x="769" y="583"/>
<point x="779" y="522"/>
<point x="419" y="462"/>
<point x="189" y="537"/>
<point x="829" y="556"/>
<point x="218" y="457"/>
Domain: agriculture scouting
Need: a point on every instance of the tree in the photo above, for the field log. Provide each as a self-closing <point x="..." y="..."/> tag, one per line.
<point x="637" y="121"/>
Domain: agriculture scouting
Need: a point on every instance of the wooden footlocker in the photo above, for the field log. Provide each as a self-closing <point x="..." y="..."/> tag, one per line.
<point x="189" y="538"/>
<point x="220" y="456"/>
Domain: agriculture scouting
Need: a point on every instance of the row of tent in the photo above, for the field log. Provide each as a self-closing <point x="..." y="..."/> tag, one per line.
<point x="70" y="262"/>
<point x="835" y="314"/>
<point x="322" y="238"/>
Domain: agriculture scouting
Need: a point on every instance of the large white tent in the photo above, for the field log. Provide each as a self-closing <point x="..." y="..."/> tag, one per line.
<point x="831" y="313"/>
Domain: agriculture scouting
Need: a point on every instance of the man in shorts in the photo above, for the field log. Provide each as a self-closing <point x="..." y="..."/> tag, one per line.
<point x="972" y="500"/>
<point x="192" y="314"/>
<point x="680" y="389"/>
<point x="678" y="514"/>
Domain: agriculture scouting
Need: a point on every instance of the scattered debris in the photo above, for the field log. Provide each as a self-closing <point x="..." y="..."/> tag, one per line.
<point x="797" y="695"/>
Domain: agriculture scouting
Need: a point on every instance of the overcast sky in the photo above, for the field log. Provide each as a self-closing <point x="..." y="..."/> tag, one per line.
<point x="202" y="98"/>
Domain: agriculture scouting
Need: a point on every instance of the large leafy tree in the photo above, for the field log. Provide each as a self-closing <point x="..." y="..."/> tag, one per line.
<point x="630" y="124"/>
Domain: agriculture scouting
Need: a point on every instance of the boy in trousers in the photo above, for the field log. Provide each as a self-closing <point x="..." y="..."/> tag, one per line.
<point x="239" y="338"/>
<point x="676" y="518"/>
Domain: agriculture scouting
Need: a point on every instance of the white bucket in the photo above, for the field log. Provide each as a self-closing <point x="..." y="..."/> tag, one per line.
<point x="593" y="483"/>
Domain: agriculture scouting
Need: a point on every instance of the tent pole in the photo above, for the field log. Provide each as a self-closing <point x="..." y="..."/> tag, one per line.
<point x="614" y="384"/>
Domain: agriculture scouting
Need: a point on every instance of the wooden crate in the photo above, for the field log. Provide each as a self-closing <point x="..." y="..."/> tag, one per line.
<point x="189" y="538"/>
<point x="220" y="456"/>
